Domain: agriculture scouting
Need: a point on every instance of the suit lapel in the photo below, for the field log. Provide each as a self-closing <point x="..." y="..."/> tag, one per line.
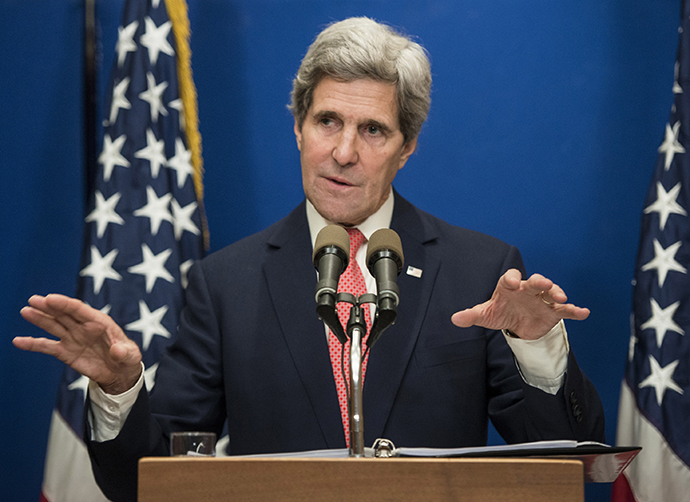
<point x="390" y="356"/>
<point x="291" y="280"/>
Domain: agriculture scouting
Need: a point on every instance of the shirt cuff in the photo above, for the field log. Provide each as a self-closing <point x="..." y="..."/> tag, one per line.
<point x="542" y="362"/>
<point x="109" y="411"/>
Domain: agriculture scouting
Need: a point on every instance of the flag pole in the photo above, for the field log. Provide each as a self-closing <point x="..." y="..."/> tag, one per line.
<point x="89" y="96"/>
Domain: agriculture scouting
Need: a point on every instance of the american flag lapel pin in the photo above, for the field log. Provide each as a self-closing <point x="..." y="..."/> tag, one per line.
<point x="414" y="271"/>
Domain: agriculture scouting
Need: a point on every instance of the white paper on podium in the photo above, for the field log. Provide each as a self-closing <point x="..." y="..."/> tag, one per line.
<point x="602" y="463"/>
<point x="332" y="453"/>
<point x="487" y="450"/>
<point x="431" y="452"/>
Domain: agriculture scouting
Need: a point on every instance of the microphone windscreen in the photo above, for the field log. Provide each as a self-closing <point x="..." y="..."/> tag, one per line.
<point x="385" y="239"/>
<point x="332" y="235"/>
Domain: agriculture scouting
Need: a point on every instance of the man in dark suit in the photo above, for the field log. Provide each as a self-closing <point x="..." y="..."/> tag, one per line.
<point x="250" y="349"/>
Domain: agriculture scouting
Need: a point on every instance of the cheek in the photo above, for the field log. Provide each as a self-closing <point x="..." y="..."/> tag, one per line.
<point x="307" y="170"/>
<point x="392" y="165"/>
<point x="315" y="152"/>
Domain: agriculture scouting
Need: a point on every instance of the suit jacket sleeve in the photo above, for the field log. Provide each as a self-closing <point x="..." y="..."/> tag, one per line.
<point x="192" y="398"/>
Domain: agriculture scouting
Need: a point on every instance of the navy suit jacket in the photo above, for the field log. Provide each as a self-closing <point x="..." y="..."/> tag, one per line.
<point x="250" y="349"/>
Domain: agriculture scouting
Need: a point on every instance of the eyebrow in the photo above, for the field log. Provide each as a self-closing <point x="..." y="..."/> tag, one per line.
<point x="329" y="113"/>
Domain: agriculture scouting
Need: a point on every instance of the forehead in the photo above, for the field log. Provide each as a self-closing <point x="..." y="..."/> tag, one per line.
<point x="359" y="100"/>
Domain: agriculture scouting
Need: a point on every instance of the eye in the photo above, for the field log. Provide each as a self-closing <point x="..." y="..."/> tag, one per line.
<point x="327" y="121"/>
<point x="373" y="130"/>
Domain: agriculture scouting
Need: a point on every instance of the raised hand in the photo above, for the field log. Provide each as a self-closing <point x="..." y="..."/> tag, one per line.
<point x="528" y="308"/>
<point x="89" y="341"/>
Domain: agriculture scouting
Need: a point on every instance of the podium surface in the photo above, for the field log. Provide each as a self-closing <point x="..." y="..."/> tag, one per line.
<point x="173" y="479"/>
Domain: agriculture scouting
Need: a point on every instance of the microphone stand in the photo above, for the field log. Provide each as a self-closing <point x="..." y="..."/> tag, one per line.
<point x="356" y="331"/>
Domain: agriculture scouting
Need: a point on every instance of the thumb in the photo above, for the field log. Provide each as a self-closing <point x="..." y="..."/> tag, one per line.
<point x="123" y="352"/>
<point x="465" y="318"/>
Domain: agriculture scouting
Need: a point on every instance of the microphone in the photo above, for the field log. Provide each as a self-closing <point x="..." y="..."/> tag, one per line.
<point x="385" y="262"/>
<point x="331" y="255"/>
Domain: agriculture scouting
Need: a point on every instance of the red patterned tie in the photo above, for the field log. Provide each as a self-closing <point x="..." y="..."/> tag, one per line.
<point x="351" y="281"/>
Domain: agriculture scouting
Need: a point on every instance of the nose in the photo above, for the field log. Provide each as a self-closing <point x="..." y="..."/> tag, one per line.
<point x="345" y="149"/>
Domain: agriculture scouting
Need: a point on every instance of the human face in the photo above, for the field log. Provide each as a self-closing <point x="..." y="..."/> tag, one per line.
<point x="351" y="148"/>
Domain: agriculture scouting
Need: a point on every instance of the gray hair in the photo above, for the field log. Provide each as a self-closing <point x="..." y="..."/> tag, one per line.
<point x="358" y="48"/>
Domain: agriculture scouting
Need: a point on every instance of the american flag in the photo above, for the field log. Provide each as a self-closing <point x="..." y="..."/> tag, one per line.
<point x="144" y="226"/>
<point x="654" y="410"/>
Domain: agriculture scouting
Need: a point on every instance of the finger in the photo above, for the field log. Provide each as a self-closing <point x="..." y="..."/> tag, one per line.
<point x="37" y="302"/>
<point x="72" y="313"/>
<point x="76" y="309"/>
<point x="570" y="311"/>
<point x="44" y="321"/>
<point x="42" y="345"/>
<point x="511" y="279"/>
<point x="53" y="306"/>
<point x="554" y="294"/>
<point x="537" y="283"/>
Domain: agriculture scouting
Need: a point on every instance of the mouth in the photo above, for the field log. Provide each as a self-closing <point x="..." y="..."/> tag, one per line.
<point x="339" y="182"/>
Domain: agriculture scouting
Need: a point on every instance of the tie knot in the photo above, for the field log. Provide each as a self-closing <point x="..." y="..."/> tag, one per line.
<point x="356" y="240"/>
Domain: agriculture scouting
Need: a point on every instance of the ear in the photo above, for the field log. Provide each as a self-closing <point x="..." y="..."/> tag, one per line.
<point x="298" y="136"/>
<point x="407" y="150"/>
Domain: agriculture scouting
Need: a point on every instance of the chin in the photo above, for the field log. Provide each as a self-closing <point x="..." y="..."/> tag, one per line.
<point x="336" y="211"/>
<point x="344" y="219"/>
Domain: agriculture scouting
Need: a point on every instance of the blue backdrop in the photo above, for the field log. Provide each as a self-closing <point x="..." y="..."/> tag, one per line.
<point x="544" y="128"/>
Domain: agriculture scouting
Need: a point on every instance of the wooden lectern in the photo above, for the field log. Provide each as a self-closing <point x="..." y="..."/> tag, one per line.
<point x="176" y="479"/>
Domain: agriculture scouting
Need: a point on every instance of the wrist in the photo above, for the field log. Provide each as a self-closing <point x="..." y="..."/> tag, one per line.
<point x="122" y="383"/>
<point x="509" y="333"/>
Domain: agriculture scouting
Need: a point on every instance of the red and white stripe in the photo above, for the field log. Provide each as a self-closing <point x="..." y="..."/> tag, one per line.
<point x="656" y="474"/>
<point x="68" y="476"/>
